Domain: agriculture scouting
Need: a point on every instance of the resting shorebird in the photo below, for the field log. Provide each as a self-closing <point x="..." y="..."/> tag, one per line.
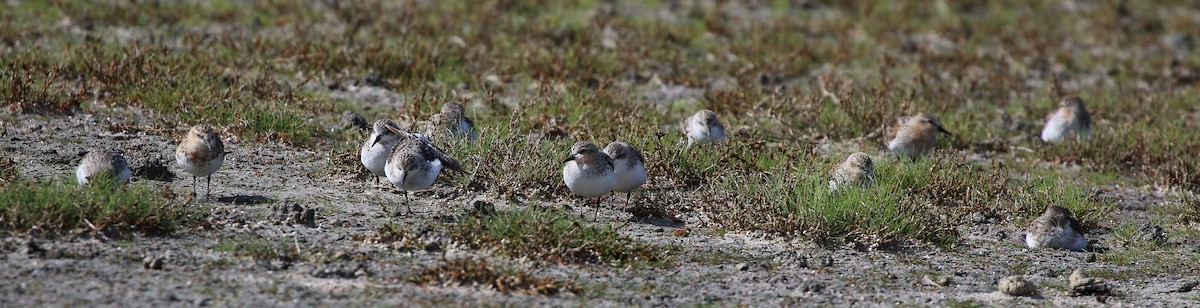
<point x="703" y="127"/>
<point x="1070" y="119"/>
<point x="589" y="173"/>
<point x="101" y="163"/>
<point x="201" y="154"/>
<point x="454" y="118"/>
<point x="917" y="136"/>
<point x="414" y="164"/>
<point x="378" y="147"/>
<point x="629" y="166"/>
<point x="856" y="171"/>
<point x="1055" y="229"/>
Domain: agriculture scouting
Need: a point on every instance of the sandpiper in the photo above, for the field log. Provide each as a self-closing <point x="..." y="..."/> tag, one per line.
<point x="703" y="127"/>
<point x="629" y="166"/>
<point x="201" y="153"/>
<point x="589" y="173"/>
<point x="917" y="136"/>
<point x="454" y="118"/>
<point x="378" y="147"/>
<point x="1055" y="229"/>
<point x="1070" y="119"/>
<point x="857" y="170"/>
<point x="414" y="164"/>
<point x="101" y="163"/>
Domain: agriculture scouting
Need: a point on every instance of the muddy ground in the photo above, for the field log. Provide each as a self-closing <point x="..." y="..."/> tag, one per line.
<point x="262" y="188"/>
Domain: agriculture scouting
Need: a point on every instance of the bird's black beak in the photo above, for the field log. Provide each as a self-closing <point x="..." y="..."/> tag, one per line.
<point x="943" y="130"/>
<point x="569" y="158"/>
<point x="375" y="141"/>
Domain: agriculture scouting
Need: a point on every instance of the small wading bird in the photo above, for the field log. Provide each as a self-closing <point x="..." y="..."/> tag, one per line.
<point x="103" y="164"/>
<point x="917" y="136"/>
<point x="414" y="163"/>
<point x="1071" y="119"/>
<point x="201" y="154"/>
<point x="629" y="167"/>
<point x="857" y="170"/>
<point x="454" y="119"/>
<point x="703" y="128"/>
<point x="589" y="173"/>
<point x="1055" y="229"/>
<point x="378" y="147"/>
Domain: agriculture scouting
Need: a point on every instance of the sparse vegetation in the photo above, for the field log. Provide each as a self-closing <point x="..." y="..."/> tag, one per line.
<point x="61" y="205"/>
<point x="553" y="236"/>
<point x="798" y="84"/>
<point x="258" y="248"/>
<point x="479" y="272"/>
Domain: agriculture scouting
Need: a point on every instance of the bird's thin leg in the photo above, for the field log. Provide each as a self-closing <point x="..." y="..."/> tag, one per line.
<point x="597" y="210"/>
<point x="628" y="198"/>
<point x="194" y="184"/>
<point x="408" y="202"/>
<point x="208" y="188"/>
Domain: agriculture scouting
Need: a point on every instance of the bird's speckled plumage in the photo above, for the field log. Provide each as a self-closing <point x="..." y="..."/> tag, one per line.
<point x="1055" y="229"/>
<point x="201" y="153"/>
<point x="103" y="163"/>
<point x="453" y="117"/>
<point x="588" y="172"/>
<point x="857" y="170"/>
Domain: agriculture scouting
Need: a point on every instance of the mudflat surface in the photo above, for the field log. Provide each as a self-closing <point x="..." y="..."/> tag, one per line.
<point x="261" y="185"/>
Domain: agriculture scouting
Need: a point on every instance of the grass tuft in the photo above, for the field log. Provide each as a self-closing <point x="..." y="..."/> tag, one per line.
<point x="479" y="272"/>
<point x="549" y="235"/>
<point x="62" y="205"/>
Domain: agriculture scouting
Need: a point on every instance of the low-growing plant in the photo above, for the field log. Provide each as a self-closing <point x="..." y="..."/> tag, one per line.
<point x="61" y="205"/>
<point x="550" y="235"/>
<point x="480" y="272"/>
<point x="258" y="248"/>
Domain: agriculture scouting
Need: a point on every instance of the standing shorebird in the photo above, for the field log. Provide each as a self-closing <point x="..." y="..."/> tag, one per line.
<point x="101" y="163"/>
<point x="917" y="136"/>
<point x="414" y="164"/>
<point x="1055" y="229"/>
<point x="378" y="147"/>
<point x="856" y="171"/>
<point x="454" y="118"/>
<point x="629" y="166"/>
<point x="201" y="153"/>
<point x="1070" y="119"/>
<point x="589" y="173"/>
<point x="703" y="127"/>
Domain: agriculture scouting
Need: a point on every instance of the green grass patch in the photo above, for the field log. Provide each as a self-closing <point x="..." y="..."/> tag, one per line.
<point x="553" y="236"/>
<point x="480" y="272"/>
<point x="62" y="205"/>
<point x="258" y="248"/>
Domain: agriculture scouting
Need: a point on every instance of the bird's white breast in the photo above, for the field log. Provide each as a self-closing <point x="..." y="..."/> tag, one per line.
<point x="629" y="177"/>
<point x="588" y="185"/>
